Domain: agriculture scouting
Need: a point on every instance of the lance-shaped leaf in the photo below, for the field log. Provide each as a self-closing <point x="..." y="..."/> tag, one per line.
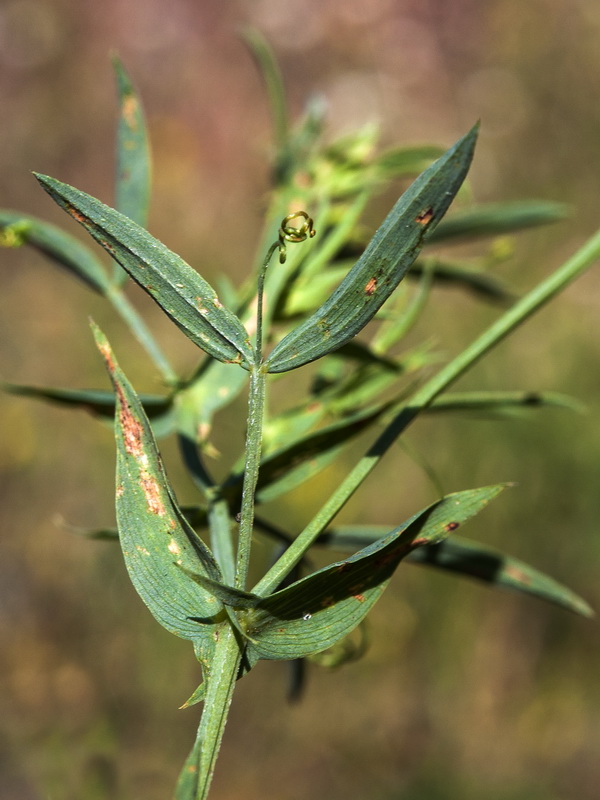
<point x="316" y="612"/>
<point x="304" y="457"/>
<point x="472" y="559"/>
<point x="18" y="229"/>
<point x="382" y="266"/>
<point x="133" y="152"/>
<point x="155" y="538"/>
<point x="499" y="218"/>
<point x="178" y="289"/>
<point x="488" y="565"/>
<point x="94" y="400"/>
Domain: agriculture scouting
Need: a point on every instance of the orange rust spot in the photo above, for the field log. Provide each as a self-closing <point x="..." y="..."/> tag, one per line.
<point x="359" y="597"/>
<point x="107" y="246"/>
<point x="425" y="217"/>
<point x="77" y="215"/>
<point x="151" y="491"/>
<point x="371" y="286"/>
<point x="451" y="526"/>
<point x="131" y="427"/>
<point x="130" y="107"/>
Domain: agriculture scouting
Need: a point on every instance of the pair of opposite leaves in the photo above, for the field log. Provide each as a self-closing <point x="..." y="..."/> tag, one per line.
<point x="194" y="306"/>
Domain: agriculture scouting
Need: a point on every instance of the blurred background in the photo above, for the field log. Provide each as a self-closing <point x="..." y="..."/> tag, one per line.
<point x="465" y="692"/>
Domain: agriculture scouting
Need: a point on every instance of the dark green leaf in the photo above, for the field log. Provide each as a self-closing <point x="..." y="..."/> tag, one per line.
<point x="315" y="612"/>
<point x="17" y="229"/>
<point x="464" y="557"/>
<point x="133" y="153"/>
<point x="468" y="558"/>
<point x="305" y="457"/>
<point x="501" y="402"/>
<point x="479" y="283"/>
<point x="382" y="266"/>
<point x="180" y="291"/>
<point x="488" y="565"/>
<point x="156" y="540"/>
<point x="97" y="401"/>
<point x="496" y="219"/>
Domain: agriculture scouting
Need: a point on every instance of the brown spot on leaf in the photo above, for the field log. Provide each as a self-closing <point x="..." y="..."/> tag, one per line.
<point x="451" y="526"/>
<point x="371" y="286"/>
<point x="359" y="597"/>
<point x="425" y="217"/>
<point x="77" y="215"/>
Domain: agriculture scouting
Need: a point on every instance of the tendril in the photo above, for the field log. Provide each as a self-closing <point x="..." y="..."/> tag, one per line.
<point x="293" y="233"/>
<point x="287" y="233"/>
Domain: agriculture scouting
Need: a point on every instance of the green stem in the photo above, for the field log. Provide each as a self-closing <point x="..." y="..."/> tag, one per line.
<point x="498" y="331"/>
<point x="141" y="332"/>
<point x="196" y="776"/>
<point x="256" y="404"/>
<point x="219" y="525"/>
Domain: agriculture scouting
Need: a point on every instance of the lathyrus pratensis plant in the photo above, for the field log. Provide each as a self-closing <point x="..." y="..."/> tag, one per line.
<point x="196" y="586"/>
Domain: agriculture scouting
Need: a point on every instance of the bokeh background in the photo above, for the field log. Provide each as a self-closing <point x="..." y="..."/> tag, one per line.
<point x="465" y="692"/>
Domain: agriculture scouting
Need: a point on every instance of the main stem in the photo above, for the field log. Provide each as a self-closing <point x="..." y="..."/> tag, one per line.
<point x="196" y="776"/>
<point x="256" y="405"/>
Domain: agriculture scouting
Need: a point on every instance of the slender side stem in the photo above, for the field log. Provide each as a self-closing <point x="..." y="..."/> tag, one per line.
<point x="514" y="317"/>
<point x="221" y="543"/>
<point x="196" y="776"/>
<point x="256" y="404"/>
<point x="141" y="332"/>
<point x="259" y="301"/>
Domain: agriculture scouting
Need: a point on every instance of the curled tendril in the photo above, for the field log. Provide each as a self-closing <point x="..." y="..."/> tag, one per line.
<point x="293" y="233"/>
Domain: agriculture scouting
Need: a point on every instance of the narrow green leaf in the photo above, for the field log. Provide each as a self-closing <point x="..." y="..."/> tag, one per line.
<point x="501" y="402"/>
<point x="17" y="229"/>
<point x="133" y="152"/>
<point x="94" y="400"/>
<point x="316" y="612"/>
<point x="406" y="160"/>
<point x="155" y="538"/>
<point x="479" y="283"/>
<point x="180" y="291"/>
<point x="382" y="266"/>
<point x="299" y="460"/>
<point x="498" y="218"/>
<point x="468" y="558"/>
<point x="271" y="74"/>
<point x="488" y="565"/>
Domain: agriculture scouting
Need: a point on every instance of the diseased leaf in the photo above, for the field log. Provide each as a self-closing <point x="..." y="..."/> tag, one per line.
<point x="382" y="266"/>
<point x="468" y="558"/>
<point x="315" y="612"/>
<point x="133" y="152"/>
<point x="498" y="218"/>
<point x="156" y="540"/>
<point x="17" y="229"/>
<point x="502" y="571"/>
<point x="178" y="289"/>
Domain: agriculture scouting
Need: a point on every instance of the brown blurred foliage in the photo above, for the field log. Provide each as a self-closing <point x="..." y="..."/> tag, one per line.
<point x="465" y="693"/>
